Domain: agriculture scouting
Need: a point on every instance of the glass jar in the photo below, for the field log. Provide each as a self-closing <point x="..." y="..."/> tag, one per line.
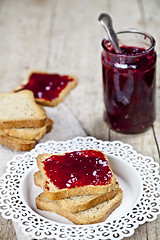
<point x="129" y="80"/>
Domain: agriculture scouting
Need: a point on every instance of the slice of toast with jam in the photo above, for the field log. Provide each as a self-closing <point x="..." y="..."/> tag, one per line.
<point x="49" y="89"/>
<point x="78" y="185"/>
<point x="75" y="173"/>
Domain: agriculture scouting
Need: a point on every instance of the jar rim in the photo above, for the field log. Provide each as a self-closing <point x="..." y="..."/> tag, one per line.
<point x="153" y="43"/>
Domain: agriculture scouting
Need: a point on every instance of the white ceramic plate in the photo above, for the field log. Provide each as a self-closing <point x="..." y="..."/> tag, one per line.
<point x="137" y="175"/>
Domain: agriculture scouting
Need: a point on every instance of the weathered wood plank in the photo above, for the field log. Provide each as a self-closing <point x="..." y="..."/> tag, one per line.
<point x="7" y="231"/>
<point x="126" y="15"/>
<point x="152" y="22"/>
<point x="65" y="37"/>
<point x="25" y="42"/>
<point x="79" y="49"/>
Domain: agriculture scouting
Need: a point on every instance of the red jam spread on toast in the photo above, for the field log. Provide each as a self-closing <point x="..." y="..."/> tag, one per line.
<point x="47" y="86"/>
<point x="78" y="169"/>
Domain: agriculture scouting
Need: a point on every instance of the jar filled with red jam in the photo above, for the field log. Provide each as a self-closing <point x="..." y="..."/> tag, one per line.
<point x="129" y="80"/>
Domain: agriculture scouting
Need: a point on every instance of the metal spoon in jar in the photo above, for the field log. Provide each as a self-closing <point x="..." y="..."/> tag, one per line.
<point x="106" y="21"/>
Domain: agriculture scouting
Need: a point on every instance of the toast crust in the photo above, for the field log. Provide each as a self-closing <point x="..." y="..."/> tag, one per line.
<point x="53" y="102"/>
<point x="17" y="143"/>
<point x="65" y="193"/>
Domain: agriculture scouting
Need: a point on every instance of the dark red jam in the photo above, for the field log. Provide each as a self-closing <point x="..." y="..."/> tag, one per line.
<point x="78" y="169"/>
<point x="46" y="86"/>
<point x="129" y="88"/>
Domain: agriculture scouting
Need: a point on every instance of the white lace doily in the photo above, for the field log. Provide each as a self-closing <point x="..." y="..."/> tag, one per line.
<point x="146" y="208"/>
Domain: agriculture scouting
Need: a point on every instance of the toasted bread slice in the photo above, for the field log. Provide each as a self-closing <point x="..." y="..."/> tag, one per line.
<point x="21" y="144"/>
<point x="53" y="192"/>
<point x="49" y="125"/>
<point x="78" y="203"/>
<point x="95" y="214"/>
<point x="17" y="143"/>
<point x="28" y="133"/>
<point x="47" y="100"/>
<point x="19" y="110"/>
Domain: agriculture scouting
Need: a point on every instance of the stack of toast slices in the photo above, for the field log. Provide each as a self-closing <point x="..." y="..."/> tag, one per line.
<point x="87" y="204"/>
<point x="22" y="121"/>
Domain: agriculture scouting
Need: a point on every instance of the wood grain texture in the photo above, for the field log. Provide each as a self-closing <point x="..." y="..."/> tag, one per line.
<point x="65" y="37"/>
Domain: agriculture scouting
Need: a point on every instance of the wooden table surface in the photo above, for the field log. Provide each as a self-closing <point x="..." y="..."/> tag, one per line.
<point x="64" y="36"/>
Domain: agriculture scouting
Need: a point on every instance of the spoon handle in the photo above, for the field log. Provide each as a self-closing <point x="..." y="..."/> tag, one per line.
<point x="106" y="21"/>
